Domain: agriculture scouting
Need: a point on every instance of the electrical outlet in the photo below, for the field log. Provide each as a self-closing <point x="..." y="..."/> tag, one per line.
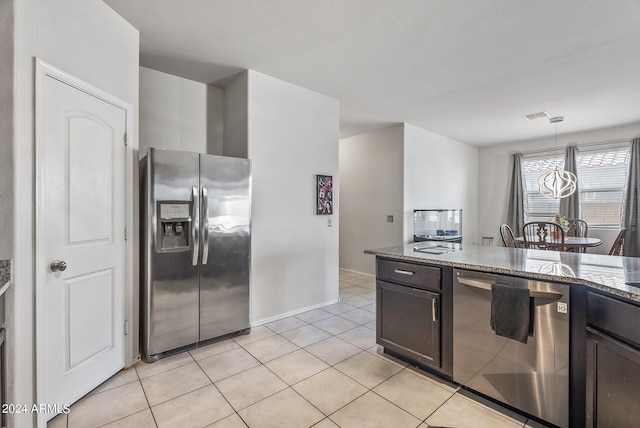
<point x="389" y="219"/>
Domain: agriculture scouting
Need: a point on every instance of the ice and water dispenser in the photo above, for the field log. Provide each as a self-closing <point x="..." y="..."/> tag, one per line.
<point x="174" y="226"/>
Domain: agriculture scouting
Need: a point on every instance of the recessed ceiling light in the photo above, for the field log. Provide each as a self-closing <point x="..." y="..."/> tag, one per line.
<point x="534" y="116"/>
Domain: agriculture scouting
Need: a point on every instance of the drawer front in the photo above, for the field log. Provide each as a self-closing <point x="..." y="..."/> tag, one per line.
<point x="419" y="276"/>
<point x="613" y="316"/>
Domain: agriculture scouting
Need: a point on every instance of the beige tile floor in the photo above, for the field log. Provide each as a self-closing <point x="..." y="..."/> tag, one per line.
<point x="321" y="368"/>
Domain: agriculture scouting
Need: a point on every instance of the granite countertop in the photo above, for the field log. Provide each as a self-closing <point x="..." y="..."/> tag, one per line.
<point x="5" y="275"/>
<point x="612" y="274"/>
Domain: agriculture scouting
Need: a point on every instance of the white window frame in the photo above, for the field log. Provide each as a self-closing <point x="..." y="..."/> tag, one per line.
<point x="615" y="156"/>
<point x="549" y="158"/>
<point x="544" y="162"/>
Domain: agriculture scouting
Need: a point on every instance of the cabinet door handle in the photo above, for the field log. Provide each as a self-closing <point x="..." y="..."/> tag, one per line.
<point x="434" y="308"/>
<point x="404" y="272"/>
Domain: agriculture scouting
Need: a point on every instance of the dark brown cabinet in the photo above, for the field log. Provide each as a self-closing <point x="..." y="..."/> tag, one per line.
<point x="408" y="322"/>
<point x="415" y="323"/>
<point x="613" y="363"/>
<point x="408" y="311"/>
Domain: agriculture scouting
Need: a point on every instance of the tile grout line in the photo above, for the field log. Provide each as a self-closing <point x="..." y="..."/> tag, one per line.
<point x="135" y="413"/>
<point x="145" y="396"/>
<point x="263" y="365"/>
<point x="438" y="408"/>
<point x="124" y="417"/>
<point x="327" y="416"/>
<point x="367" y="389"/>
<point x="221" y="394"/>
<point x="149" y="407"/>
<point x="293" y="389"/>
<point x="280" y="335"/>
<point x="111" y="389"/>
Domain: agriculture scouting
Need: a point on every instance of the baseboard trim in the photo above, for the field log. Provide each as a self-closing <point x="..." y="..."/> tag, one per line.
<point x="358" y="272"/>
<point x="292" y="313"/>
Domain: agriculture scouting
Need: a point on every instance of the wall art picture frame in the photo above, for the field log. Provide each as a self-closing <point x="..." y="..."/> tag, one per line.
<point x="324" y="193"/>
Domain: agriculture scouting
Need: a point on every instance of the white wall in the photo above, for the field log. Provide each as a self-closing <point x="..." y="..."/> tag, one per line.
<point x="440" y="173"/>
<point x="292" y="136"/>
<point x="392" y="172"/>
<point x="6" y="128"/>
<point x="494" y="173"/>
<point x="236" y="116"/>
<point x="89" y="40"/>
<point x="371" y="187"/>
<point x="180" y="114"/>
<point x="215" y="120"/>
<point x="173" y="112"/>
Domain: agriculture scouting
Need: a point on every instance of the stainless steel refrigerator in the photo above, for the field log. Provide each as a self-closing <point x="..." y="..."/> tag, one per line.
<point x="195" y="250"/>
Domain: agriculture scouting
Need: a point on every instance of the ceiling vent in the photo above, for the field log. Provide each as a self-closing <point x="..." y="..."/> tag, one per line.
<point x="539" y="115"/>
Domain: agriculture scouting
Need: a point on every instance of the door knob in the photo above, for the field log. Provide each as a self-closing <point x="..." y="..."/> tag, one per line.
<point x="58" y="266"/>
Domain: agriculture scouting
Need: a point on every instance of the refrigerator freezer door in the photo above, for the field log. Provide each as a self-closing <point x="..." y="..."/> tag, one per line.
<point x="170" y="279"/>
<point x="225" y="183"/>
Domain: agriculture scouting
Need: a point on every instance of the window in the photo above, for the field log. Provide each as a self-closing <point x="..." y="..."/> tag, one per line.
<point x="601" y="179"/>
<point x="537" y="207"/>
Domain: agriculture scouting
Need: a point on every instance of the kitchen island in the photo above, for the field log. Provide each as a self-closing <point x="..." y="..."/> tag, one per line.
<point x="583" y="343"/>
<point x="614" y="275"/>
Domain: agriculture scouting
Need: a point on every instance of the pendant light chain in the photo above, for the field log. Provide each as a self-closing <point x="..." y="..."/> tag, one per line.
<point x="557" y="184"/>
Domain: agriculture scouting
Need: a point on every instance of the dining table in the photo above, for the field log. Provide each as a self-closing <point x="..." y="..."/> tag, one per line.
<point x="571" y="243"/>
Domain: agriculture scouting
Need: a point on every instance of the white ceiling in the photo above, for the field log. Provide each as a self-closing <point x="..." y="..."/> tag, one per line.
<point x="466" y="69"/>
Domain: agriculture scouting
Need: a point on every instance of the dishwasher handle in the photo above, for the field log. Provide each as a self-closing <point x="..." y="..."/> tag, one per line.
<point x="487" y="286"/>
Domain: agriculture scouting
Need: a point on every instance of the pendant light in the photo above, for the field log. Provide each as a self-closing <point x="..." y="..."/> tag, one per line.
<point x="557" y="184"/>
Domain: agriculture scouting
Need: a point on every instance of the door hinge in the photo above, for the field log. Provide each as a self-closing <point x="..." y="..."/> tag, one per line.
<point x="126" y="234"/>
<point x="126" y="139"/>
<point x="126" y="327"/>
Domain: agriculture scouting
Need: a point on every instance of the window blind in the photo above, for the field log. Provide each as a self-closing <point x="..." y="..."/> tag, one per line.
<point x="601" y="176"/>
<point x="601" y="179"/>
<point x="537" y="207"/>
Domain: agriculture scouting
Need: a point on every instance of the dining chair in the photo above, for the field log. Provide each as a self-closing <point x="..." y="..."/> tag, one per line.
<point x="577" y="227"/>
<point x="508" y="240"/>
<point x="543" y="235"/>
<point x="616" y="248"/>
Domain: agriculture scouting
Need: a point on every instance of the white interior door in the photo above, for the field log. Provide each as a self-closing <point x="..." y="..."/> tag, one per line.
<point x="81" y="215"/>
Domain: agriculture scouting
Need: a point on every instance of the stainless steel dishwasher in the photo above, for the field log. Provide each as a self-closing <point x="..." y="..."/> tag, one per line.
<point x="526" y="368"/>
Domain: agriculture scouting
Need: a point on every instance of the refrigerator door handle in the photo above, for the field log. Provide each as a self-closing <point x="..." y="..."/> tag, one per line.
<point x="205" y="225"/>
<point x="194" y="227"/>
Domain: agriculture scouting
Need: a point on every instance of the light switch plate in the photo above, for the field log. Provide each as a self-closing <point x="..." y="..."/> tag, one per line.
<point x="330" y="221"/>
